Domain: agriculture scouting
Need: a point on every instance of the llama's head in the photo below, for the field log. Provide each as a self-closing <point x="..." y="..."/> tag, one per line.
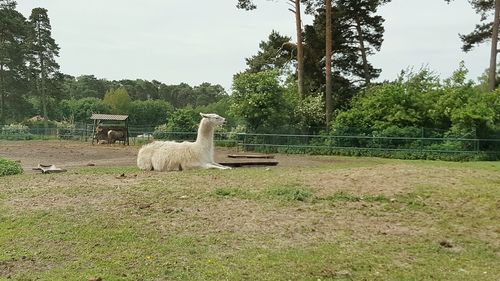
<point x="214" y="119"/>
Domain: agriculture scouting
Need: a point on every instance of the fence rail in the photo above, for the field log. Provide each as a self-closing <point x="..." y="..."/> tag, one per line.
<point x="287" y="143"/>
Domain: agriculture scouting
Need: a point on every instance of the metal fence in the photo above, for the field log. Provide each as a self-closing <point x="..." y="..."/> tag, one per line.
<point x="334" y="142"/>
<point x="286" y="143"/>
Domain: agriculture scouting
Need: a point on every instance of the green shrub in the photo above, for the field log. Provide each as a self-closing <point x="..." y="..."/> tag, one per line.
<point x="66" y="131"/>
<point x="9" y="167"/>
<point x="15" y="132"/>
<point x="182" y="125"/>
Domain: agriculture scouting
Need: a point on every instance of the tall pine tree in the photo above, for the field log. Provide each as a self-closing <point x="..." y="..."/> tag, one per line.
<point x="357" y="32"/>
<point x="44" y="70"/>
<point x="487" y="29"/>
<point x="275" y="53"/>
<point x="13" y="34"/>
<point x="249" y="5"/>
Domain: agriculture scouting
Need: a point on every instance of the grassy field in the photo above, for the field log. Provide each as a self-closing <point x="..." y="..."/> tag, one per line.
<point x="346" y="219"/>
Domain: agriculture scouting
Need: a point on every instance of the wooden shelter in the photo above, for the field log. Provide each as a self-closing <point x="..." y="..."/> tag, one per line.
<point x="107" y="122"/>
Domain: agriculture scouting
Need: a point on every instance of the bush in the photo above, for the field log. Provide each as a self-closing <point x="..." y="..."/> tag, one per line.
<point x="16" y="132"/>
<point x="66" y="131"/>
<point x="163" y="132"/>
<point x="9" y="167"/>
<point x="39" y="125"/>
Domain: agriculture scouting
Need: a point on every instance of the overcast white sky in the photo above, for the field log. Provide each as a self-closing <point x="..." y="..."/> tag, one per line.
<point x="176" y="41"/>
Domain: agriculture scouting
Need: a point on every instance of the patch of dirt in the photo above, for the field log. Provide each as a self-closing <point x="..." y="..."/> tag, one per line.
<point x="19" y="265"/>
<point x="74" y="154"/>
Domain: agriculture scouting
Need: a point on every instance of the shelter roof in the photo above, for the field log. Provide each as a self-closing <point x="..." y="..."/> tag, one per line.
<point x="97" y="116"/>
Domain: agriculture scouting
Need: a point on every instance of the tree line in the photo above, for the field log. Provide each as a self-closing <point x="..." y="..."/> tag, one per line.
<point x="314" y="85"/>
<point x="31" y="82"/>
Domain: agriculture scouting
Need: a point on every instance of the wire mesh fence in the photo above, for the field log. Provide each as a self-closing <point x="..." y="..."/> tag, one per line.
<point x="416" y="147"/>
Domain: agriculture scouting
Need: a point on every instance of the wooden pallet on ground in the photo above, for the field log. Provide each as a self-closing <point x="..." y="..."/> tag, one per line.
<point x="249" y="163"/>
<point x="251" y="156"/>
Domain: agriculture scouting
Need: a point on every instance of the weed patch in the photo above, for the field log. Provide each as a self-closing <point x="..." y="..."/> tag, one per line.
<point x="346" y="196"/>
<point x="290" y="193"/>
<point x="230" y="192"/>
<point x="9" y="167"/>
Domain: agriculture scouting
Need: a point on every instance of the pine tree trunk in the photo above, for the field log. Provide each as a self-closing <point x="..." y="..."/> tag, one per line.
<point x="41" y="90"/>
<point x="328" y="62"/>
<point x="494" y="49"/>
<point x="2" y="96"/>
<point x="363" y="51"/>
<point x="43" y="97"/>
<point x="300" y="50"/>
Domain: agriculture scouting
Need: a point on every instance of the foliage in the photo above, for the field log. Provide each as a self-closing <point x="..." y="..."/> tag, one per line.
<point x="222" y="108"/>
<point x="184" y="120"/>
<point x="309" y="114"/>
<point x="150" y="112"/>
<point x="118" y="100"/>
<point x="9" y="167"/>
<point x="85" y="86"/>
<point x="182" y="124"/>
<point x="13" y="58"/>
<point x="258" y="98"/>
<point x="40" y="128"/>
<point x="357" y="33"/>
<point x="183" y="95"/>
<point x="414" y="100"/>
<point x="66" y="131"/>
<point x="484" y="29"/>
<point x="16" y="132"/>
<point x="403" y="108"/>
<point x="43" y="68"/>
<point x="81" y="110"/>
<point x="274" y="54"/>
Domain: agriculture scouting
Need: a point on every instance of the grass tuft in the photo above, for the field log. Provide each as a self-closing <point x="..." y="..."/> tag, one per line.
<point x="290" y="193"/>
<point x="346" y="196"/>
<point x="229" y="192"/>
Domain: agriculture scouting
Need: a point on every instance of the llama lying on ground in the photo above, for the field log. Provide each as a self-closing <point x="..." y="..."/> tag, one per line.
<point x="171" y="155"/>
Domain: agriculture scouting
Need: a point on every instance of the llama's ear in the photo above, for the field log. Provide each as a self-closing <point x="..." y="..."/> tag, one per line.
<point x="203" y="115"/>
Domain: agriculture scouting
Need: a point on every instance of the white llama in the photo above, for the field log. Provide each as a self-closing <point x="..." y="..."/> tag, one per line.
<point x="171" y="155"/>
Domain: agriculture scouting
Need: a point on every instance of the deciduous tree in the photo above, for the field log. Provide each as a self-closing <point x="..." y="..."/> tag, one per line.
<point x="118" y="100"/>
<point x="258" y="98"/>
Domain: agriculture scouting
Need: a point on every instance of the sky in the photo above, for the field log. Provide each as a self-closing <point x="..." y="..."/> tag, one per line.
<point x="175" y="41"/>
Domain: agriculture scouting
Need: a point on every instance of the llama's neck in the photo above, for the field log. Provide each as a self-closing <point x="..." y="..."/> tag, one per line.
<point x="205" y="135"/>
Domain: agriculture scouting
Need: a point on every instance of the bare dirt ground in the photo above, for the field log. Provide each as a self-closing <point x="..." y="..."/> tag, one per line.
<point x="74" y="154"/>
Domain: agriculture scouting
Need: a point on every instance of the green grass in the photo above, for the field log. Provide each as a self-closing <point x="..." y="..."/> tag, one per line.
<point x="290" y="193"/>
<point x="321" y="223"/>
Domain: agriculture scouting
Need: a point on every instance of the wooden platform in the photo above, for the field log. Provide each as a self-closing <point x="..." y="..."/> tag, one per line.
<point x="249" y="163"/>
<point x="251" y="156"/>
<point x="249" y="160"/>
